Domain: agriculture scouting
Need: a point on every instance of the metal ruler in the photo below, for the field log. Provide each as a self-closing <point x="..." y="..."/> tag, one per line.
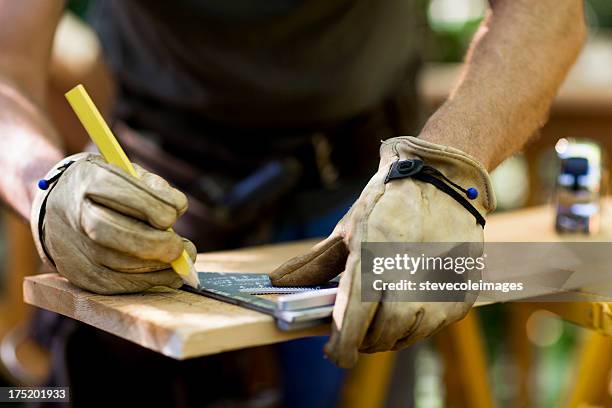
<point x="298" y="308"/>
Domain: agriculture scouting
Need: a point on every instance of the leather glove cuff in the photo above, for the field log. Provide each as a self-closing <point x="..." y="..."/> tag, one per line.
<point x="455" y="165"/>
<point x="39" y="203"/>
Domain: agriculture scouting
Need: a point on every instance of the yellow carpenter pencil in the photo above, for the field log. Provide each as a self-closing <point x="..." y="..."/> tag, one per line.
<point x="109" y="147"/>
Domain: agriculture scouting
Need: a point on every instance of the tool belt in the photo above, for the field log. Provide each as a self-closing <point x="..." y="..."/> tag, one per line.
<point x="237" y="186"/>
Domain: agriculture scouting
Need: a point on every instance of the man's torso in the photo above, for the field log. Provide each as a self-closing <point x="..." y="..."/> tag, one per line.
<point x="253" y="63"/>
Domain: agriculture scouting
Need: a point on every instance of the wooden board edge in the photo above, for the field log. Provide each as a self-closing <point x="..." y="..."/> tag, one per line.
<point x="177" y="344"/>
<point x="41" y="295"/>
<point x="259" y="335"/>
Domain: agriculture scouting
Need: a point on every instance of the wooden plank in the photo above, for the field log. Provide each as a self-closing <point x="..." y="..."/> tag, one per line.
<point x="182" y="325"/>
<point x="173" y="322"/>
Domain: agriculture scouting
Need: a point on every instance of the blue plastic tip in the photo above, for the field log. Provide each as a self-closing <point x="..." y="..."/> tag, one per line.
<point x="472" y="193"/>
<point x="43" y="184"/>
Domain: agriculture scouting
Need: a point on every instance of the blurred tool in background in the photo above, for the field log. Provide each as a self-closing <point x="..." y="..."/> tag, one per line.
<point x="581" y="182"/>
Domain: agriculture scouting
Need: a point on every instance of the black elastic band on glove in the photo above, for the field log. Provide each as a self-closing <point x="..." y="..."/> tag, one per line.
<point x="420" y="171"/>
<point x="50" y="185"/>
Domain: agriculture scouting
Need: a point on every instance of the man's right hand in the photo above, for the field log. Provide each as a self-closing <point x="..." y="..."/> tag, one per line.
<point x="107" y="231"/>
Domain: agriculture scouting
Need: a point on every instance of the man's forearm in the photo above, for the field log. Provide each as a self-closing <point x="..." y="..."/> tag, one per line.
<point x="29" y="146"/>
<point x="517" y="61"/>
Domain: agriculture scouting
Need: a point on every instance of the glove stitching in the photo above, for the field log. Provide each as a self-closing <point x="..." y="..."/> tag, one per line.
<point x="109" y="219"/>
<point x="43" y="210"/>
<point x="142" y="269"/>
<point x="419" y="315"/>
<point x="318" y="255"/>
<point x="370" y="209"/>
<point x="428" y="178"/>
<point x="132" y="181"/>
<point x="364" y="233"/>
<point x="371" y="347"/>
<point x="445" y="154"/>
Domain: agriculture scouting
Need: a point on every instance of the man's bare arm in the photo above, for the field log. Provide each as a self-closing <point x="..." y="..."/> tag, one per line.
<point x="29" y="145"/>
<point x="517" y="61"/>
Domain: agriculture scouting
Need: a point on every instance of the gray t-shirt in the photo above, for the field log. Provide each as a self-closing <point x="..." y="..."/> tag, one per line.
<point x="258" y="63"/>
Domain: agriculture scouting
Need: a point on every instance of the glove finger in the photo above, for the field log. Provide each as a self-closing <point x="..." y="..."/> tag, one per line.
<point x="427" y="327"/>
<point x="111" y="282"/>
<point x="351" y="316"/>
<point x="163" y="189"/>
<point x="113" y="230"/>
<point x="393" y="321"/>
<point x="436" y="317"/>
<point x="128" y="195"/>
<point x="410" y="340"/>
<point x="191" y="249"/>
<point x="321" y="264"/>
<point x="122" y="262"/>
<point x="166" y="277"/>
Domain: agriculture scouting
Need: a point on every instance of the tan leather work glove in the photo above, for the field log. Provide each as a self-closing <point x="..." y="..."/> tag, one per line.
<point x="105" y="230"/>
<point x="402" y="210"/>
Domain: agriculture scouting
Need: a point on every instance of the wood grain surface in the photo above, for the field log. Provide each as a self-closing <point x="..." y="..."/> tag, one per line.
<point x="175" y="323"/>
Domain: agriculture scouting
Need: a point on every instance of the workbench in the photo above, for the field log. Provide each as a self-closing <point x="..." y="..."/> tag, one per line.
<point x="182" y="325"/>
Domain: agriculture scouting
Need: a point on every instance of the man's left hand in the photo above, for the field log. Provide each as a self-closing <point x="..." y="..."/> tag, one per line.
<point x="401" y="210"/>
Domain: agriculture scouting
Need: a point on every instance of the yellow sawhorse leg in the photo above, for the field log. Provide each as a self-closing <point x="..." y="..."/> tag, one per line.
<point x="465" y="368"/>
<point x="595" y="357"/>
<point x="521" y="349"/>
<point x="368" y="383"/>
<point x="593" y="373"/>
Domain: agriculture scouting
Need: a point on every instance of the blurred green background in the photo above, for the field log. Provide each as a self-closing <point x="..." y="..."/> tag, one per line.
<point x="453" y="23"/>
